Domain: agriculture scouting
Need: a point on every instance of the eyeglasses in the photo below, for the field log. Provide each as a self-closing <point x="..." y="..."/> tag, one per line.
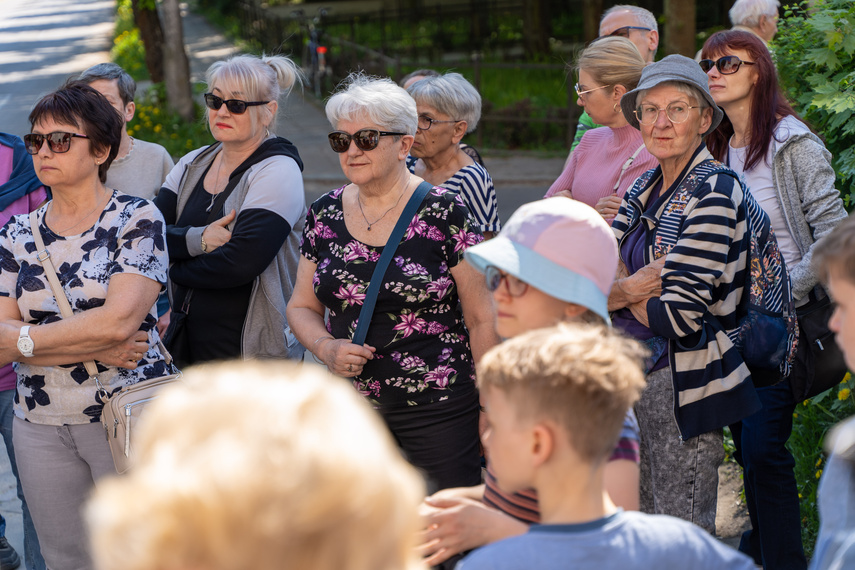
<point x="57" y="142"/>
<point x="726" y="65"/>
<point x="494" y="276"/>
<point x="235" y="106"/>
<point x="425" y="122"/>
<point x="365" y="139"/>
<point x="676" y="112"/>
<point x="624" y="31"/>
<point x="579" y="91"/>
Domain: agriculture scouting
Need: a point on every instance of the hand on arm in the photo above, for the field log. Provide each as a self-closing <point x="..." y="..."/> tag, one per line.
<point x="644" y="284"/>
<point x="217" y="233"/>
<point x="455" y="522"/>
<point x="306" y="318"/>
<point x="608" y="207"/>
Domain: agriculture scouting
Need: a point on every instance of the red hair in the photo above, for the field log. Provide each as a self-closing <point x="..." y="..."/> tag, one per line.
<point x="768" y="102"/>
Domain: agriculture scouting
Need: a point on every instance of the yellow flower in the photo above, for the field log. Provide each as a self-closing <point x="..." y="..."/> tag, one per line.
<point x="800" y="495"/>
<point x="819" y="462"/>
<point x="173" y="136"/>
<point x="846" y="378"/>
<point x="158" y="128"/>
<point x="806" y="402"/>
<point x="819" y="474"/>
<point x="795" y="416"/>
<point x="843" y="393"/>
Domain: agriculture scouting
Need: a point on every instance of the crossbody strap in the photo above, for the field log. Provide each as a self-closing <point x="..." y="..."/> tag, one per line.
<point x="626" y="166"/>
<point x="392" y="244"/>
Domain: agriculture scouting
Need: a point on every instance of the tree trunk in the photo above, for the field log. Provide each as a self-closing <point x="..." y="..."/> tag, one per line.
<point x="175" y="65"/>
<point x="536" y="29"/>
<point x="151" y="34"/>
<point x="680" y="27"/>
<point x="592" y="10"/>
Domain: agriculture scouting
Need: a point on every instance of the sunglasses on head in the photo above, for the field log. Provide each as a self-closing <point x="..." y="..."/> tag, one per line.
<point x="58" y="142"/>
<point x="365" y="139"/>
<point x="235" y="106"/>
<point x="726" y="65"/>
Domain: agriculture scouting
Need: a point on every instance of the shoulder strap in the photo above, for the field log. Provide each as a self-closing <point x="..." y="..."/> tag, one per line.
<point x="626" y="165"/>
<point x="404" y="220"/>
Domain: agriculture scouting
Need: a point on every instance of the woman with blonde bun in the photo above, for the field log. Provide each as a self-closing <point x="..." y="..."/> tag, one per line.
<point x="234" y="212"/>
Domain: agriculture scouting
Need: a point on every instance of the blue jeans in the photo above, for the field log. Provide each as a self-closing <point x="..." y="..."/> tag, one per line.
<point x="32" y="553"/>
<point x="774" y="539"/>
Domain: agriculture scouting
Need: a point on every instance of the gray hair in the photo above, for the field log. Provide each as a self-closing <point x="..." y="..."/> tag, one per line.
<point x="418" y="73"/>
<point x="644" y="17"/>
<point x="688" y="90"/>
<point x="264" y="78"/>
<point x="109" y="72"/>
<point x="748" y="12"/>
<point x="452" y="95"/>
<point x="379" y="99"/>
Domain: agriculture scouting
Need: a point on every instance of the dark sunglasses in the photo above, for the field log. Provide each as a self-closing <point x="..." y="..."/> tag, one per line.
<point x="624" y="31"/>
<point x="235" y="106"/>
<point x="57" y="142"/>
<point x="726" y="65"/>
<point x="365" y="139"/>
<point x="494" y="277"/>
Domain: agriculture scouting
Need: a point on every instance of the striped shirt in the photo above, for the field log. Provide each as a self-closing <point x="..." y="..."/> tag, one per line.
<point x="475" y="186"/>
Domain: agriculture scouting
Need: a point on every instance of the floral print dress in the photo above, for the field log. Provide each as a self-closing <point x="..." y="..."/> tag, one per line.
<point x="422" y="347"/>
<point x="128" y="238"/>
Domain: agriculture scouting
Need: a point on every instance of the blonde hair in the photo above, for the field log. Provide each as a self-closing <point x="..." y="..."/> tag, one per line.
<point x="258" y="78"/>
<point x="582" y="376"/>
<point x="612" y="61"/>
<point x="262" y="466"/>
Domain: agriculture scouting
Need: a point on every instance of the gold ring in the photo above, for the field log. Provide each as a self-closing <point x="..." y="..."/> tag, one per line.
<point x="350" y="367"/>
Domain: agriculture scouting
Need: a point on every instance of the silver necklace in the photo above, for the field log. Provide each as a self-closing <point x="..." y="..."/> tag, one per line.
<point x="216" y="185"/>
<point x="78" y="222"/>
<point x="359" y="201"/>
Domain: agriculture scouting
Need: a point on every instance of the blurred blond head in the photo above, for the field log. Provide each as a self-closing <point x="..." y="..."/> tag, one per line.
<point x="261" y="466"/>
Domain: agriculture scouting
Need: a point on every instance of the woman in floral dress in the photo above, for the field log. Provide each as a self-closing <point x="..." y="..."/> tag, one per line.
<point x="417" y="366"/>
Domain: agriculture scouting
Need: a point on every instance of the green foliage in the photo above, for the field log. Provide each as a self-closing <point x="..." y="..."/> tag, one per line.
<point x="815" y="53"/>
<point x="128" y="50"/>
<point x="155" y="122"/>
<point x="811" y="421"/>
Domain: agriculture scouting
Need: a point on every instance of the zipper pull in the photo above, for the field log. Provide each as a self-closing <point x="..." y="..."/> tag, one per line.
<point x="819" y="344"/>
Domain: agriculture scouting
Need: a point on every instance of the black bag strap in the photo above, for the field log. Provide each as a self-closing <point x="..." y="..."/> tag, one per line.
<point x="388" y="251"/>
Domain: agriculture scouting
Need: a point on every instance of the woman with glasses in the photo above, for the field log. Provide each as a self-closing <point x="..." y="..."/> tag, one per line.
<point x="537" y="282"/>
<point x="609" y="159"/>
<point x="788" y="171"/>
<point x="417" y="365"/>
<point x="234" y="212"/>
<point x="109" y="253"/>
<point x="681" y="285"/>
<point x="449" y="107"/>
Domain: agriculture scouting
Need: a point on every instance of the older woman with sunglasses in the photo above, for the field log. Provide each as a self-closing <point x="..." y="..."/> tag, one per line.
<point x="234" y="212"/>
<point x="109" y="252"/>
<point x="789" y="172"/>
<point x="449" y="107"/>
<point x="609" y="159"/>
<point x="417" y="365"/>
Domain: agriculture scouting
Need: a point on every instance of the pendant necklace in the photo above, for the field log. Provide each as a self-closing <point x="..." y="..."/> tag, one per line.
<point x="216" y="184"/>
<point x="358" y="201"/>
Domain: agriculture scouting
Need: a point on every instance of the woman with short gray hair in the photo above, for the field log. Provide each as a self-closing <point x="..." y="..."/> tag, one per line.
<point x="416" y="365"/>
<point x="449" y="107"/>
<point x="681" y="286"/>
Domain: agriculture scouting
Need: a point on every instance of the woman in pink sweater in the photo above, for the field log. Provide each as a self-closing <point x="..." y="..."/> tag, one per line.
<point x="609" y="159"/>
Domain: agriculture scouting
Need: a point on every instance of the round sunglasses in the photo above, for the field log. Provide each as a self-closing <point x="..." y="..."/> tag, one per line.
<point x="726" y="65"/>
<point x="58" y="142"/>
<point x="365" y="139"/>
<point x="494" y="277"/>
<point x="235" y="106"/>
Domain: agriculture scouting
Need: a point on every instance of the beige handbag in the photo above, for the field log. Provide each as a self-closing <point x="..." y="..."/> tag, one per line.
<point x="123" y="409"/>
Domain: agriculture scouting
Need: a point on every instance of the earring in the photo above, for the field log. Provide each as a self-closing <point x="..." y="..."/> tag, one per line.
<point x="616" y="107"/>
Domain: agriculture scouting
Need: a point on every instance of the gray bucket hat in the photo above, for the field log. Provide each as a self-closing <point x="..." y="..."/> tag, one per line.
<point x="677" y="68"/>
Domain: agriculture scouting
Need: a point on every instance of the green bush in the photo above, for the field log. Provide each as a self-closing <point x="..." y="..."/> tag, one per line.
<point x="155" y="122"/>
<point x="815" y="53"/>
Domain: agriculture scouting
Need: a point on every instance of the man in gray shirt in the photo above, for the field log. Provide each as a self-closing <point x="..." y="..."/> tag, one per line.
<point x="140" y="167"/>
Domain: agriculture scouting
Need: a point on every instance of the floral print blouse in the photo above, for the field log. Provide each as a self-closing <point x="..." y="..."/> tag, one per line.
<point x="129" y="237"/>
<point x="422" y="347"/>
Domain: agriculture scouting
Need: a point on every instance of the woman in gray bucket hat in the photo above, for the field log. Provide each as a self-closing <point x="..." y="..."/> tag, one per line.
<point x="683" y="241"/>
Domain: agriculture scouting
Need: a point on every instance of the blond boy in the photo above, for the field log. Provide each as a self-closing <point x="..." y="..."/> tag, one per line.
<point x="555" y="400"/>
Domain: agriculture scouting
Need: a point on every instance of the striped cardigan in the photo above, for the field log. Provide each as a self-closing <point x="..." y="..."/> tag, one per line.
<point x="704" y="276"/>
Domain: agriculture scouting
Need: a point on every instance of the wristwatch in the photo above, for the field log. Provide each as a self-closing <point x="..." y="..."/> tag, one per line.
<point x="25" y="343"/>
<point x="204" y="245"/>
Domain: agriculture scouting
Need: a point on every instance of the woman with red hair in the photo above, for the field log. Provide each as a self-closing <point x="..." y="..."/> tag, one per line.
<point x="788" y="170"/>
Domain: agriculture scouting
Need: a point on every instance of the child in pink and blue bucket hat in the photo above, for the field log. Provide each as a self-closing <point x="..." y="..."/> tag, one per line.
<point x="555" y="260"/>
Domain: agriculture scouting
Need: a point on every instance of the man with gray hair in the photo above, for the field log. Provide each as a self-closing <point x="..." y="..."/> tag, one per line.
<point x="760" y="17"/>
<point x="140" y="167"/>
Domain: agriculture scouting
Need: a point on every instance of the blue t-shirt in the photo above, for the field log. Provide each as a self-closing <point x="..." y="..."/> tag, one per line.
<point x="621" y="541"/>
